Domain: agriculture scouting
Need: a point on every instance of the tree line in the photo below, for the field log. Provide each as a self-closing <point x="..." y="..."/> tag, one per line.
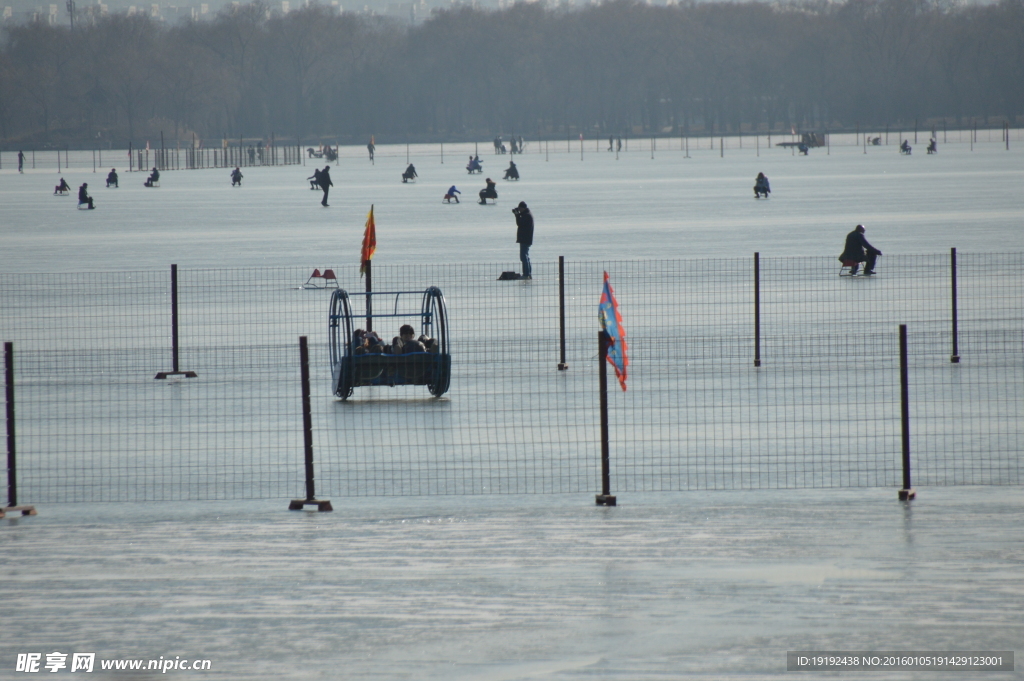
<point x="615" y="68"/>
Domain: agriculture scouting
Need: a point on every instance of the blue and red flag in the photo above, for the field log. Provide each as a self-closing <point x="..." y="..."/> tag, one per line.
<point x="611" y="323"/>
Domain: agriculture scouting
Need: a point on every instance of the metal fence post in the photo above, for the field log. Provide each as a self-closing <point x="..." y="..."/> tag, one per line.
<point x="307" y="438"/>
<point x="907" y="493"/>
<point x="955" y="357"/>
<point x="605" y="498"/>
<point x="12" y="478"/>
<point x="12" y="469"/>
<point x="562" y="366"/>
<point x="757" y="309"/>
<point x="174" y="332"/>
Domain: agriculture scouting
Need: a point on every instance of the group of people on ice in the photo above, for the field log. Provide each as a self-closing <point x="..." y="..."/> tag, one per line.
<point x="84" y="200"/>
<point x="906" y="149"/>
<point x="516" y="145"/>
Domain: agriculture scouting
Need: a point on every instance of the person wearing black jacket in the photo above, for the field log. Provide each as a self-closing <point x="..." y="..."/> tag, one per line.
<point x="524" y="236"/>
<point x="860" y="251"/>
<point x="488" y="192"/>
<point x="83" y="196"/>
<point x="325" y="183"/>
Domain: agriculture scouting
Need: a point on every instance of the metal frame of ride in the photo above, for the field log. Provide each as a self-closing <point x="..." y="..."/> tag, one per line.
<point x="350" y="371"/>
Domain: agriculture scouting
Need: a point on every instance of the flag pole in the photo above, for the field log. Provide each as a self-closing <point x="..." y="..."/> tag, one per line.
<point x="368" y="268"/>
<point x="369" y="247"/>
<point x="604" y="498"/>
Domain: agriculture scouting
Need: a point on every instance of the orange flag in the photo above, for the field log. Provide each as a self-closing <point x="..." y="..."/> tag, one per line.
<point x="369" y="243"/>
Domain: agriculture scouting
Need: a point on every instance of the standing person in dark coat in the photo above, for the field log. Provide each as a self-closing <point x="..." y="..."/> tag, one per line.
<point x="524" y="236"/>
<point x="21" y="162"/>
<point x="325" y="183"/>
<point x="860" y="251"/>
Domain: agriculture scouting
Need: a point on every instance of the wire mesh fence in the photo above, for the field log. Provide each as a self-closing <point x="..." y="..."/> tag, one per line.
<point x="822" y="409"/>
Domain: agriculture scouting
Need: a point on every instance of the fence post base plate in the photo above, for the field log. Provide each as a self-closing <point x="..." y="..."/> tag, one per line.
<point x="605" y="500"/>
<point x="25" y="510"/>
<point x="300" y="504"/>
<point x="907" y="494"/>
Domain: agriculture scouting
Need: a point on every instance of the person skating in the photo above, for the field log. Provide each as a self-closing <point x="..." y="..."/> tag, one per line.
<point x="153" y="178"/>
<point x="858" y="250"/>
<point x="236" y="177"/>
<point x="61" y="188"/>
<point x="512" y="172"/>
<point x="325" y="183"/>
<point x="112" y="177"/>
<point x="410" y="173"/>
<point x="451" y="194"/>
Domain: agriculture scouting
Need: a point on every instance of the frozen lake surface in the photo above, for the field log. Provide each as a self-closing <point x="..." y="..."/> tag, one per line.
<point x="704" y="585"/>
